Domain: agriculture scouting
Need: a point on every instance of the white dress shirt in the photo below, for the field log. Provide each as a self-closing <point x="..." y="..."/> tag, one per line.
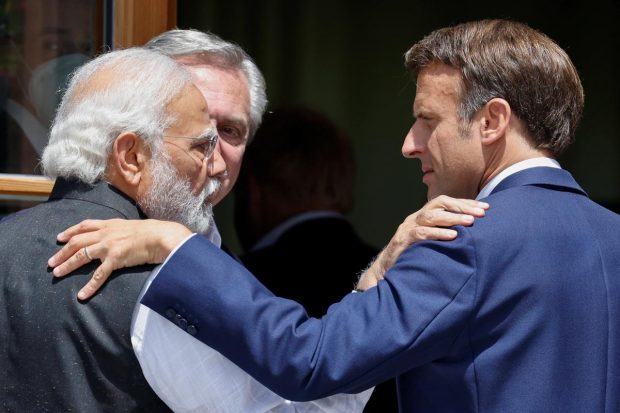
<point x="190" y="376"/>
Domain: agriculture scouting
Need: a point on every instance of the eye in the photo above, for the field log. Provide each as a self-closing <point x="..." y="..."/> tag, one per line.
<point x="426" y="120"/>
<point x="232" y="135"/>
<point x="205" y="148"/>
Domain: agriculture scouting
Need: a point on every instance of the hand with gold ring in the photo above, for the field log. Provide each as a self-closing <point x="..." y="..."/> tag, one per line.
<point x="118" y="243"/>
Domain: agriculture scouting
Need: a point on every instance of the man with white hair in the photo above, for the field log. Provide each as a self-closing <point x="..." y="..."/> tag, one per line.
<point x="122" y="122"/>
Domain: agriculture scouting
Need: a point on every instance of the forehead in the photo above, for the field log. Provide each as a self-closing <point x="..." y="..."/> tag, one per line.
<point x="226" y="90"/>
<point x="437" y="88"/>
<point x="190" y="111"/>
<point x="188" y="102"/>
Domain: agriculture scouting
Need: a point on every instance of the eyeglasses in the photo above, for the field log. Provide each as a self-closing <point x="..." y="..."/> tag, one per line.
<point x="204" y="145"/>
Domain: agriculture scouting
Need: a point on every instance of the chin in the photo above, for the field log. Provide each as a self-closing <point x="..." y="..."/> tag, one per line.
<point x="430" y="194"/>
<point x="218" y="196"/>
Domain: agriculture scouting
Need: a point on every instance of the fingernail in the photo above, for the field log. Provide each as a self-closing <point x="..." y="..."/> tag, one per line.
<point x="81" y="295"/>
<point x="468" y="218"/>
<point x="51" y="262"/>
<point x="484" y="205"/>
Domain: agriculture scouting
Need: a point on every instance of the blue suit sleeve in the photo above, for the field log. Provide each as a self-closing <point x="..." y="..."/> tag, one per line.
<point x="412" y="317"/>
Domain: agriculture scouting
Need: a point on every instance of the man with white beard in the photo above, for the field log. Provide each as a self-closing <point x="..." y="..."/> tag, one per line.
<point x="119" y="126"/>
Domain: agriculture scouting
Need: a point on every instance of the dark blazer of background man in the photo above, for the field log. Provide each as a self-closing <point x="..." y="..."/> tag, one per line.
<point x="57" y="354"/>
<point x="295" y="186"/>
<point x="520" y="313"/>
<point x="297" y="179"/>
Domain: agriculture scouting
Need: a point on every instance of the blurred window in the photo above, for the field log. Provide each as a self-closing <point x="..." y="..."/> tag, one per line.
<point x="41" y="43"/>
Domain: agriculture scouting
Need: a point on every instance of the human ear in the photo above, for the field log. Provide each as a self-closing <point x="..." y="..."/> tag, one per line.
<point x="129" y="158"/>
<point x="494" y="121"/>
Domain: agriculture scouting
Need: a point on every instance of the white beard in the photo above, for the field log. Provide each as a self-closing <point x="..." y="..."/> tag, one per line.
<point x="170" y="198"/>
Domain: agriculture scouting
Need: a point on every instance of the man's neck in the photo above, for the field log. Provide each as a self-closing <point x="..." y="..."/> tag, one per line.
<point x="514" y="168"/>
<point x="504" y="157"/>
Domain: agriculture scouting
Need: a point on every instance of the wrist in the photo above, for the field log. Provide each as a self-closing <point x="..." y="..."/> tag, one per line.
<point x="167" y="238"/>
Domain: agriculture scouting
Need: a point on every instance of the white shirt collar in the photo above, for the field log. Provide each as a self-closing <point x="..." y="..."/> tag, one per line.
<point x="519" y="166"/>
<point x="272" y="236"/>
<point x="213" y="234"/>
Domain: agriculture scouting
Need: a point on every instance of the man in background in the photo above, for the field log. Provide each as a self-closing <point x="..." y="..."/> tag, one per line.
<point x="295" y="187"/>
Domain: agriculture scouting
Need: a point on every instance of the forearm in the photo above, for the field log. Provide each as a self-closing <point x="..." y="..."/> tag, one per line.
<point x="302" y="358"/>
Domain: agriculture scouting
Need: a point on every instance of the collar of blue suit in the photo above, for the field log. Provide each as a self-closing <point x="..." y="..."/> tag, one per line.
<point x="542" y="176"/>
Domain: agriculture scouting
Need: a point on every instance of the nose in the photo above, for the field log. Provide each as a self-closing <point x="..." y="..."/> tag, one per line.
<point x="410" y="147"/>
<point x="416" y="140"/>
<point x="216" y="164"/>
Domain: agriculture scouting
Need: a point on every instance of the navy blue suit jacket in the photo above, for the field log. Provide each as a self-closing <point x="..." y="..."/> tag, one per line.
<point x="521" y="313"/>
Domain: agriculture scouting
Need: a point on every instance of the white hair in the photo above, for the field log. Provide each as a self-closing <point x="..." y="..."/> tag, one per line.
<point x="124" y="90"/>
<point x="213" y="50"/>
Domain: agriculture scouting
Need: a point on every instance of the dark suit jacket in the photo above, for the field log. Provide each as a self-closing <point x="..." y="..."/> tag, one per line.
<point x="521" y="313"/>
<point x="56" y="354"/>
<point x="328" y="257"/>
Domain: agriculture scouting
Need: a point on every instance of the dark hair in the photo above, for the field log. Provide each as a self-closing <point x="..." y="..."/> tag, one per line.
<point x="509" y="60"/>
<point x="301" y="158"/>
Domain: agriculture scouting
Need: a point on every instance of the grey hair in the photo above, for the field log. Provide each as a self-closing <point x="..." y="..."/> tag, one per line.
<point x="124" y="90"/>
<point x="213" y="50"/>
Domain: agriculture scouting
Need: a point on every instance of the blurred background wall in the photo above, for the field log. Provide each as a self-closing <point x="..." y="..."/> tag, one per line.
<point x="345" y="58"/>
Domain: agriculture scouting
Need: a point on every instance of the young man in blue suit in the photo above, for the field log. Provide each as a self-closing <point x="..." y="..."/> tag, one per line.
<point x="521" y="312"/>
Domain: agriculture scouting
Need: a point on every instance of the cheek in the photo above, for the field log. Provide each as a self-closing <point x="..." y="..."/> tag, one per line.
<point x="447" y="148"/>
<point x="233" y="156"/>
<point x="189" y="169"/>
<point x="435" y="149"/>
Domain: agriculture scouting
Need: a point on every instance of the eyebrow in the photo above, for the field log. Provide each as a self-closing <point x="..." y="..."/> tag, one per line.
<point x="240" y="124"/>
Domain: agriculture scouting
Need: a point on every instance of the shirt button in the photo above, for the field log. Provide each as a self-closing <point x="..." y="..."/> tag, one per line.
<point x="170" y="313"/>
<point x="192" y="330"/>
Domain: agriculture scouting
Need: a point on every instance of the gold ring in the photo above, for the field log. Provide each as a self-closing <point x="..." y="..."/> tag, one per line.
<point x="87" y="254"/>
